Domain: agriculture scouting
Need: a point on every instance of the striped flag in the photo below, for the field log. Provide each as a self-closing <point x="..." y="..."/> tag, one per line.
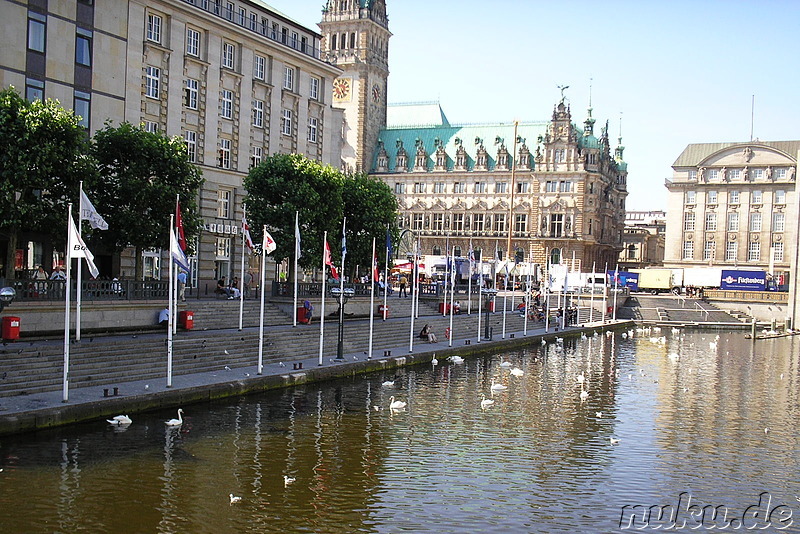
<point x="247" y="239"/>
<point x="329" y="261"/>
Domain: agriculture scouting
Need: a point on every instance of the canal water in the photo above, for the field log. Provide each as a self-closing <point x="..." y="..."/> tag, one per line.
<point x="701" y="421"/>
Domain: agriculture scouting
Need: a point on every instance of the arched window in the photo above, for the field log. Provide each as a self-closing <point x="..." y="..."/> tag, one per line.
<point x="555" y="256"/>
<point x="437" y="250"/>
<point x="457" y="251"/>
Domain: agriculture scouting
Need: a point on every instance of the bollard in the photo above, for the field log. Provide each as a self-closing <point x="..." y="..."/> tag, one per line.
<point x="388" y="353"/>
<point x="116" y="392"/>
<point x="512" y="336"/>
<point x="294" y="366"/>
<point x="300" y="365"/>
<point x="105" y="392"/>
<point x="467" y="341"/>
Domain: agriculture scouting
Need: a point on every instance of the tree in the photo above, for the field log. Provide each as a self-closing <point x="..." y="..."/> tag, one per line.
<point x="42" y="160"/>
<point x="369" y="205"/>
<point x="140" y="175"/>
<point x="287" y="183"/>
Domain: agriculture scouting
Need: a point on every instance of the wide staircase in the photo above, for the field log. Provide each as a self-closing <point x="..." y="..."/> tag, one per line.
<point x="675" y="310"/>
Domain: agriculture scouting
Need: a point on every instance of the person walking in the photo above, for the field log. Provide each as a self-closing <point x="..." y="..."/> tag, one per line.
<point x="182" y="285"/>
<point x="403" y="284"/>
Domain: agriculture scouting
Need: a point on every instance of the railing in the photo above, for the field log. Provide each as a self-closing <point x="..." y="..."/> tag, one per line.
<point x="697" y="305"/>
<point x="314" y="289"/>
<point x="749" y="296"/>
<point x="52" y="290"/>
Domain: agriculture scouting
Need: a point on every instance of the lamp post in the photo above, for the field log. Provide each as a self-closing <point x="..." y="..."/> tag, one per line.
<point x="490" y="293"/>
<point x="342" y="297"/>
<point x="7" y="295"/>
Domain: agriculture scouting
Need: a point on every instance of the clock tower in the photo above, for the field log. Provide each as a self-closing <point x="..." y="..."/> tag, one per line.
<point x="355" y="37"/>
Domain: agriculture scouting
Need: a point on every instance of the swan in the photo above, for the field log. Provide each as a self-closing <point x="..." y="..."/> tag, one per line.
<point x="178" y="421"/>
<point x="516" y="371"/>
<point x="388" y="384"/>
<point x="434" y="361"/>
<point x="234" y="498"/>
<point x="613" y="441"/>
<point x="396" y="404"/>
<point x="485" y="403"/>
<point x="580" y="378"/>
<point x="624" y="335"/>
<point x="498" y="387"/>
<point x="505" y="363"/>
<point x="456" y="359"/>
<point x="544" y="342"/>
<point x="288" y="480"/>
<point x="584" y="395"/>
<point x="120" y="420"/>
<point x="583" y="335"/>
<point x="598" y="414"/>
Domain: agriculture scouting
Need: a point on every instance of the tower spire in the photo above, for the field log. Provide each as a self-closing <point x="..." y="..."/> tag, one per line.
<point x="588" y="124"/>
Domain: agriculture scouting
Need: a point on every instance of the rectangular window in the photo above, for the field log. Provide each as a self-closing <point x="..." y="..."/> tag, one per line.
<point x="438" y="222"/>
<point x="228" y="55"/>
<point x="259" y="67"/>
<point x="777" y="251"/>
<point x="286" y="122"/>
<point x="458" y="187"/>
<point x="224" y="160"/>
<point x="757" y="174"/>
<point x="224" y="203"/>
<point x="780" y="197"/>
<point x="559" y="156"/>
<point x="500" y="187"/>
<point x="419" y="187"/>
<point x="688" y="250"/>
<point x="255" y="158"/>
<point x="229" y="11"/>
<point x="192" y="42"/>
<point x="153" y="28"/>
<point x="692" y="176"/>
<point x="399" y="188"/>
<point x="223" y="248"/>
<point x="733" y="222"/>
<point x="190" y="138"/>
<point x="713" y="175"/>
<point x="780" y="173"/>
<point x="312" y="130"/>
<point x="83" y="47"/>
<point x="731" y="250"/>
<point x="733" y="197"/>
<point x="478" y="222"/>
<point x="500" y="222"/>
<point x="242" y="16"/>
<point x="565" y="186"/>
<point x="258" y="113"/>
<point x="458" y="222"/>
<point x="688" y="221"/>
<point x="226" y="104"/>
<point x="778" y="222"/>
<point x="755" y="222"/>
<point x="37" y="32"/>
<point x="711" y="222"/>
<point x="551" y="186"/>
<point x="34" y="89"/>
<point x="521" y="222"/>
<point x="691" y="197"/>
<point x="734" y="174"/>
<point x="556" y="224"/>
<point x="313" y="91"/>
<point x="192" y="90"/>
<point x="708" y="250"/>
<point x="152" y="82"/>
<point x="756" y="197"/>
<point x="288" y="78"/>
<point x="438" y="188"/>
<point x="150" y="127"/>
<point x="522" y="187"/>
<point x="82" y="108"/>
<point x="754" y="251"/>
<point x="293" y="42"/>
<point x="480" y="187"/>
<point x="416" y="221"/>
<point x="711" y="197"/>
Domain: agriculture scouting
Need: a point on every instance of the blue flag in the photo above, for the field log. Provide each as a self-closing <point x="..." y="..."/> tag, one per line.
<point x="389" y="242"/>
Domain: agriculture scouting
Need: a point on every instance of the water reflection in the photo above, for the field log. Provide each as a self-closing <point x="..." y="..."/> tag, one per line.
<point x="692" y="413"/>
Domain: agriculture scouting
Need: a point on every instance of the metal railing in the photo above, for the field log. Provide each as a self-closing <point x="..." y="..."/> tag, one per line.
<point x="52" y="290"/>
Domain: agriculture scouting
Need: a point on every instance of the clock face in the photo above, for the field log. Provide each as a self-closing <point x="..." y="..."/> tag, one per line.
<point x="376" y="93"/>
<point x="341" y="89"/>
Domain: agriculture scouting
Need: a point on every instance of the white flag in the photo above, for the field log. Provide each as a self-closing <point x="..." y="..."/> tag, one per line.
<point x="269" y="243"/>
<point x="178" y="256"/>
<point x="246" y="233"/>
<point x="297" y="235"/>
<point x="88" y="213"/>
<point x="78" y="249"/>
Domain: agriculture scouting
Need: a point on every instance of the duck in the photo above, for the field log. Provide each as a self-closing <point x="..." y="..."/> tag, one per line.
<point x="288" y="480"/>
<point x="498" y="387"/>
<point x="120" y="420"/>
<point x="516" y="371"/>
<point x="396" y="404"/>
<point x="485" y="403"/>
<point x="178" y="421"/>
<point x="234" y="498"/>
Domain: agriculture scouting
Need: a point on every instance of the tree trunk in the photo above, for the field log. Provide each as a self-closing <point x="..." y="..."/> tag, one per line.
<point x="137" y="261"/>
<point x="11" y="256"/>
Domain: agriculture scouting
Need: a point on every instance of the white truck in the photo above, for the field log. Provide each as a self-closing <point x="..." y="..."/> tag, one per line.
<point x="702" y="277"/>
<point x="658" y="281"/>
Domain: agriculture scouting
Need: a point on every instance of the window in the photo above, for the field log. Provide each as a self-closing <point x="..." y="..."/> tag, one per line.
<point x="192" y="42"/>
<point x="228" y="55"/>
<point x="691" y="197"/>
<point x="288" y="78"/>
<point x="312" y="130"/>
<point x="480" y="187"/>
<point x="733" y="222"/>
<point x="556" y="224"/>
<point x="500" y="222"/>
<point x="226" y="104"/>
<point x="755" y="222"/>
<point x="692" y="176"/>
<point x="81" y="107"/>
<point x="438" y="222"/>
<point x="709" y="249"/>
<point x="36" y="32"/>
<point x="713" y="175"/>
<point x="734" y="174"/>
<point x="500" y="187"/>
<point x="731" y="250"/>
<point x="190" y="138"/>
<point x="631" y="251"/>
<point x="242" y="16"/>
<point x="559" y="155"/>
<point x="757" y="174"/>
<point x="153" y="28"/>
<point x="688" y="221"/>
<point x="150" y="127"/>
<point x="522" y="187"/>
<point x="258" y="113"/>
<point x="711" y="222"/>
<point x="34" y="89"/>
<point x="461" y="160"/>
<point x="152" y="81"/>
<point x="192" y="90"/>
<point x="83" y="47"/>
<point x="711" y="197"/>
<point x="458" y="187"/>
<point x="688" y="250"/>
<point x="756" y="197"/>
<point x="293" y="40"/>
<point x="399" y="188"/>
<point x="224" y="203"/>
<point x="254" y="21"/>
<point x="303" y="44"/>
<point x="777" y="251"/>
<point x="224" y="160"/>
<point x="478" y="222"/>
<point x="778" y="222"/>
<point x="416" y="221"/>
<point x="255" y="157"/>
<point x="259" y="67"/>
<point x="780" y="173"/>
<point x="551" y="186"/>
<point x="458" y="223"/>
<point x="780" y="197"/>
<point x="313" y="91"/>
<point x="754" y="251"/>
<point x="333" y="41"/>
<point x="286" y="122"/>
<point x="733" y="197"/>
<point x="223" y="248"/>
<point x="229" y="11"/>
<point x="565" y="186"/>
<point x="352" y="40"/>
<point x="419" y="187"/>
<point x="521" y="222"/>
<point x="439" y="188"/>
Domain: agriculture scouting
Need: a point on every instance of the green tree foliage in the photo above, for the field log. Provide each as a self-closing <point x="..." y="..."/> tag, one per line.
<point x="43" y="157"/>
<point x="140" y="175"/>
<point x="287" y="183"/>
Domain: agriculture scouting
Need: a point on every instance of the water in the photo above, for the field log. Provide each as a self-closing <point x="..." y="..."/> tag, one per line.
<point x="690" y="417"/>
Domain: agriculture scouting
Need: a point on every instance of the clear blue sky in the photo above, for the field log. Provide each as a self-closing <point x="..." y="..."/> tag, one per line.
<point x="676" y="72"/>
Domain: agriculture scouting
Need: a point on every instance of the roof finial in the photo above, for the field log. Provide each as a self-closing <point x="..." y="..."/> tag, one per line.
<point x="562" y="87"/>
<point x="620" y="128"/>
<point x="590" y="96"/>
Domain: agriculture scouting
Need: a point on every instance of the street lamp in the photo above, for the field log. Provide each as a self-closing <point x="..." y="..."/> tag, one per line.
<point x="490" y="293"/>
<point x="7" y="295"/>
<point x="342" y="297"/>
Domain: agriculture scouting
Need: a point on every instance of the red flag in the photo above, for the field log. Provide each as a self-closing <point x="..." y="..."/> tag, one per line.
<point x="246" y="232"/>
<point x="375" y="272"/>
<point x="329" y="263"/>
<point x="179" y="227"/>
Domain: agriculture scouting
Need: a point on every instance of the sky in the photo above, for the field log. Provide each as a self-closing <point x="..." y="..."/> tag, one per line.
<point x="675" y="73"/>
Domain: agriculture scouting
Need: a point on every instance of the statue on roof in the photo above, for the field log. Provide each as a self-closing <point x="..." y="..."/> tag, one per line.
<point x="562" y="88"/>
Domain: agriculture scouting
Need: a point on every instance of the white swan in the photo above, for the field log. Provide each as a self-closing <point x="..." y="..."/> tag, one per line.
<point x="498" y="387"/>
<point x="434" y="361"/>
<point x="506" y="363"/>
<point x="613" y="441"/>
<point x="288" y="480"/>
<point x="388" y="384"/>
<point x="234" y="498"/>
<point x="396" y="404"/>
<point x="580" y="378"/>
<point x="544" y="342"/>
<point x="178" y="421"/>
<point x="120" y="420"/>
<point x="516" y="371"/>
<point x="456" y="359"/>
<point x="485" y="403"/>
<point x="584" y="395"/>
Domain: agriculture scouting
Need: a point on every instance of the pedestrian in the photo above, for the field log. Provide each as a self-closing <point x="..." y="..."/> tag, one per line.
<point x="58" y="274"/>
<point x="41" y="281"/>
<point x="403" y="283"/>
<point x="182" y="285"/>
<point x="234" y="291"/>
<point x="248" y="283"/>
<point x="309" y="310"/>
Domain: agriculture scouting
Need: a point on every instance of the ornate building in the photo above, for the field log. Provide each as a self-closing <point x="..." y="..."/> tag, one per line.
<point x="643" y="240"/>
<point x="733" y="205"/>
<point x="541" y="190"/>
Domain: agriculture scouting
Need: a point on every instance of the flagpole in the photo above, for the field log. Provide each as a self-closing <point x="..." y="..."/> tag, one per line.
<point x="605" y="292"/>
<point x="591" y="295"/>
<point x="339" y="347"/>
<point x="386" y="276"/>
<point x="241" y="275"/>
<point x="174" y="294"/>
<point x="372" y="301"/>
<point x="322" y="304"/>
<point x="505" y="298"/>
<point x="416" y="279"/>
<point x="171" y="317"/>
<point x="297" y="232"/>
<point x="616" y="291"/>
<point x="452" y="295"/>
<point x="469" y="282"/>
<point x="68" y="285"/>
<point x="546" y="286"/>
<point x="79" y="282"/>
<point x="480" y="294"/>
<point x="527" y="298"/>
<point x="261" y="312"/>
<point x="413" y="297"/>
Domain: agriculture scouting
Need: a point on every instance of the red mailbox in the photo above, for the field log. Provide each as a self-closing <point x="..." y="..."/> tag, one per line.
<point x="491" y="305"/>
<point x="10" y="328"/>
<point x="302" y="317"/>
<point x="186" y="319"/>
<point x="383" y="311"/>
<point x="444" y="308"/>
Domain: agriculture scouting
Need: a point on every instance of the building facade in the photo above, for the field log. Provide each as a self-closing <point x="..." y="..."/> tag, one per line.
<point x="643" y="239"/>
<point x="733" y="205"/>
<point x="237" y="80"/>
